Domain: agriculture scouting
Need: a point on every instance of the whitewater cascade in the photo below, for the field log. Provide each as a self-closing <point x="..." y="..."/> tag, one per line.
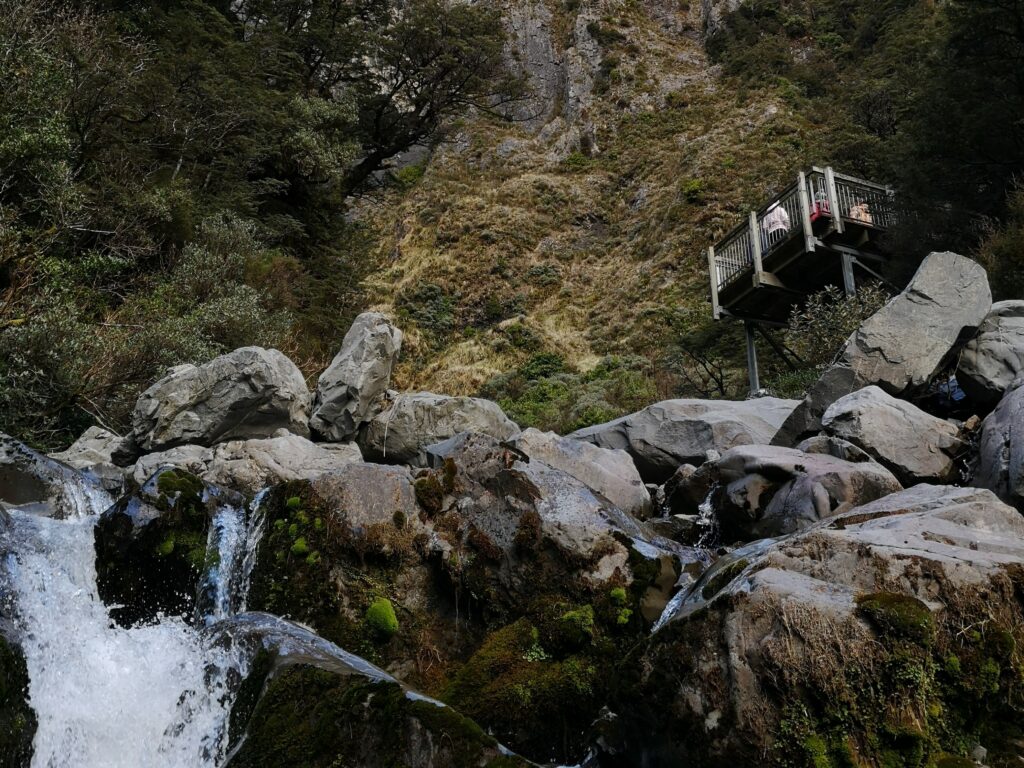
<point x="108" y="697"/>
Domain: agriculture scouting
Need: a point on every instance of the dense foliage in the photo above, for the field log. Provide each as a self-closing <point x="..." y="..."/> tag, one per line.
<point x="174" y="178"/>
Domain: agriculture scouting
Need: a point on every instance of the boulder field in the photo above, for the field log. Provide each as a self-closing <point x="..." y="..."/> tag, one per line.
<point x="832" y="582"/>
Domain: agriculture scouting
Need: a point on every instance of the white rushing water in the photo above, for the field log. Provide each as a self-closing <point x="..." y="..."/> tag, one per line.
<point x="108" y="697"/>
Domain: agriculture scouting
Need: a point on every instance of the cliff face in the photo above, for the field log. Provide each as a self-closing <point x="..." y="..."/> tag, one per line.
<point x="578" y="227"/>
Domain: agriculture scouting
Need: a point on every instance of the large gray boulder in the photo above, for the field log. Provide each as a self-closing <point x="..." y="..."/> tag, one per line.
<point x="399" y="434"/>
<point x="906" y="343"/>
<point x="994" y="359"/>
<point x="762" y="490"/>
<point x="610" y="473"/>
<point x="251" y="392"/>
<point x="248" y="466"/>
<point x="668" y="434"/>
<point x="825" y="617"/>
<point x="34" y="482"/>
<point x="356" y="377"/>
<point x="916" y="446"/>
<point x="1000" y="465"/>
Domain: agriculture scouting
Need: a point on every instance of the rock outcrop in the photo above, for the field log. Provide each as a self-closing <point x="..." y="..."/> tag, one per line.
<point x="35" y="482"/>
<point x="399" y="434"/>
<point x="777" y="638"/>
<point x="994" y="359"/>
<point x="151" y="547"/>
<point x="1000" y="465"/>
<point x="763" y="491"/>
<point x="611" y="473"/>
<point x="916" y="446"/>
<point x="356" y="377"/>
<point x="251" y="392"/>
<point x="903" y="345"/>
<point x="668" y="434"/>
<point x="248" y="466"/>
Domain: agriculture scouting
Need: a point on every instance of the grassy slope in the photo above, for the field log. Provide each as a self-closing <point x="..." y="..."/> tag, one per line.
<point x="592" y="255"/>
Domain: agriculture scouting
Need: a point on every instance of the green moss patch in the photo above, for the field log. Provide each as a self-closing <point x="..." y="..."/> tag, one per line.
<point x="311" y="718"/>
<point x="900" y="615"/>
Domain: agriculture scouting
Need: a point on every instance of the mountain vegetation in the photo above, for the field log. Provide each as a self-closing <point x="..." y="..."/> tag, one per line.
<point x="179" y="178"/>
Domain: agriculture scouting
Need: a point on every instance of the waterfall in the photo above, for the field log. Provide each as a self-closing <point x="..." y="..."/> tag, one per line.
<point x="158" y="695"/>
<point x="707" y="521"/>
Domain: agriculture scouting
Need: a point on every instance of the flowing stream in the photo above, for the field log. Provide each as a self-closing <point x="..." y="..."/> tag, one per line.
<point x="153" y="696"/>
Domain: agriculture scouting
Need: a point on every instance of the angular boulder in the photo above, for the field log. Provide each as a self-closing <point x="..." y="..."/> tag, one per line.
<point x="994" y="359"/>
<point x="249" y="393"/>
<point x="668" y="434"/>
<point x="93" y="453"/>
<point x="916" y="446"/>
<point x="1000" y="464"/>
<point x="33" y="481"/>
<point x="399" y="434"/>
<point x="356" y="377"/>
<point x="761" y="490"/>
<point x="906" y="343"/>
<point x="611" y="473"/>
<point x="863" y="614"/>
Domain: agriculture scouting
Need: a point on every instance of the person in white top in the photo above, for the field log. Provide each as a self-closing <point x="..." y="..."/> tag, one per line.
<point x="775" y="224"/>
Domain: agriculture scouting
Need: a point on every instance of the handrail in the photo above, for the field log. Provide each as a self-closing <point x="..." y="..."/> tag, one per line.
<point x="820" y="192"/>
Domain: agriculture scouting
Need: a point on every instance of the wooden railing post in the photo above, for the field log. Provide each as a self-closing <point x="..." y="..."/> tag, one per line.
<point x="805" y="212"/>
<point x="833" y="199"/>
<point x="755" y="245"/>
<point x="713" y="272"/>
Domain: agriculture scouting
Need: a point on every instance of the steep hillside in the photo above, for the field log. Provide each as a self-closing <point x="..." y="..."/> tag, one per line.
<point x="579" y="228"/>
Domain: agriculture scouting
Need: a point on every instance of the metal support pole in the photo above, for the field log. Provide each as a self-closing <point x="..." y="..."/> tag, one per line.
<point x="849" y="285"/>
<point x="755" y="379"/>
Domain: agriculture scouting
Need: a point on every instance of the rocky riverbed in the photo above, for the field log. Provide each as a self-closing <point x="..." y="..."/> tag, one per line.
<point x="260" y="575"/>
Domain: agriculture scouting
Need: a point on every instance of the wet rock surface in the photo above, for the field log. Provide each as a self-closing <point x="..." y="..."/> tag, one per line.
<point x="763" y="491"/>
<point x="34" y="482"/>
<point x="151" y="547"/>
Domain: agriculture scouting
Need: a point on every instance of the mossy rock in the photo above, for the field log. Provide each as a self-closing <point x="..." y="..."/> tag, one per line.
<point x="537" y="704"/>
<point x="17" y="720"/>
<point x="309" y="717"/>
<point x="901" y="616"/>
<point x="151" y="548"/>
<point x="381" y="619"/>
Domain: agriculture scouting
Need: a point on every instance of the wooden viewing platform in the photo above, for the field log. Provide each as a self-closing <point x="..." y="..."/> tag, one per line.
<point x="813" y="234"/>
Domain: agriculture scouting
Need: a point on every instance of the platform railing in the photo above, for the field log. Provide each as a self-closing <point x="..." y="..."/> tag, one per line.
<point x="817" y="194"/>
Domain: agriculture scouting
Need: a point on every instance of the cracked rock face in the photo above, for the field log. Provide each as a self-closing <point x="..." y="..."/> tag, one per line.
<point x="356" y="377"/>
<point x="251" y="392"/>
